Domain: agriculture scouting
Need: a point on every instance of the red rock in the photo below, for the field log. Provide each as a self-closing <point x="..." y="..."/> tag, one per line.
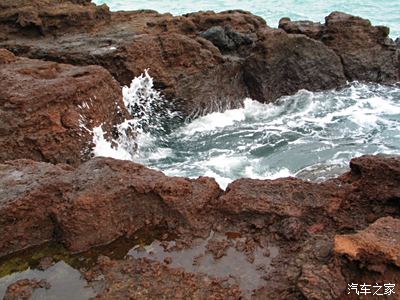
<point x="46" y="109"/>
<point x="282" y="64"/>
<point x="366" y="51"/>
<point x="379" y="243"/>
<point x="375" y="178"/>
<point x="322" y="283"/>
<point x="23" y="289"/>
<point x="286" y="197"/>
<point x="143" y="279"/>
<point x="102" y="200"/>
<point x="6" y="57"/>
<point x="203" y="61"/>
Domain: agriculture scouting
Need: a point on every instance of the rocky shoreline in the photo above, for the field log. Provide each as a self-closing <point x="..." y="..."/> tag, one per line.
<point x="62" y="65"/>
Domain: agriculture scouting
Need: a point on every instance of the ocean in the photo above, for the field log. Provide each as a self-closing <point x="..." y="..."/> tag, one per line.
<point x="308" y="135"/>
<point x="380" y="12"/>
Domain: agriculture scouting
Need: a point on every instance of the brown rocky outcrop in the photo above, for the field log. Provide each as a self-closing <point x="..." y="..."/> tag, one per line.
<point x="379" y="243"/>
<point x="155" y="280"/>
<point x="282" y="231"/>
<point x="47" y="109"/>
<point x="112" y="198"/>
<point x="204" y="61"/>
<point x="366" y="52"/>
<point x="281" y="64"/>
<point x="46" y="16"/>
<point x="23" y="289"/>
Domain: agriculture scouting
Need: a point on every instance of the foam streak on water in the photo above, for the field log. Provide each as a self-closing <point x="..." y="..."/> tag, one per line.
<point x="309" y="135"/>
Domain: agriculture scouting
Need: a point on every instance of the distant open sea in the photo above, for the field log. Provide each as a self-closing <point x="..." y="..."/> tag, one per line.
<point x="380" y="12"/>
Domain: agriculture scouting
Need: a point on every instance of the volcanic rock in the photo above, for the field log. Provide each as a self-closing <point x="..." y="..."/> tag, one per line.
<point x="47" y="110"/>
<point x="379" y="243"/>
<point x="100" y="201"/>
<point x="286" y="197"/>
<point x="282" y="64"/>
<point x="366" y="51"/>
<point x="23" y="289"/>
<point x="206" y="61"/>
<point x="318" y="282"/>
<point x="143" y="279"/>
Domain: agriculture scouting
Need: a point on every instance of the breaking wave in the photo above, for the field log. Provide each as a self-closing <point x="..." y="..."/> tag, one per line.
<point x="308" y="135"/>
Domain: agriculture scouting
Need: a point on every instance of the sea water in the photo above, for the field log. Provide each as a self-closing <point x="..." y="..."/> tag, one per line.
<point x="309" y="135"/>
<point x="380" y="12"/>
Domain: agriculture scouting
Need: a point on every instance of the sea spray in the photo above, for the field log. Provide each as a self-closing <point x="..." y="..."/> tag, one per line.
<point x="309" y="135"/>
<point x="152" y="116"/>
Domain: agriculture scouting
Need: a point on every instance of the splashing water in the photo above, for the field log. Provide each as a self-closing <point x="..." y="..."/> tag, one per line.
<point x="309" y="135"/>
<point x="152" y="115"/>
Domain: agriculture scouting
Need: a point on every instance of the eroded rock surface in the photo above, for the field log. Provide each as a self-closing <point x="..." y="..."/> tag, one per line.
<point x="23" y="289"/>
<point x="292" y="239"/>
<point x="155" y="280"/>
<point x="203" y="61"/>
<point x="87" y="195"/>
<point x="366" y="52"/>
<point x="47" y="109"/>
<point x="379" y="243"/>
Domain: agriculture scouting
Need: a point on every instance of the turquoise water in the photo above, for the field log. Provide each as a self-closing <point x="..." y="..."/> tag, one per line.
<point x="380" y="12"/>
<point x="308" y="135"/>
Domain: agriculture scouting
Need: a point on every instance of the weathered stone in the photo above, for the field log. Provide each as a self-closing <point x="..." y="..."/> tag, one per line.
<point x="102" y="200"/>
<point x="143" y="279"/>
<point x="23" y="289"/>
<point x="321" y="283"/>
<point x="379" y="243"/>
<point x="284" y="63"/>
<point x="48" y="109"/>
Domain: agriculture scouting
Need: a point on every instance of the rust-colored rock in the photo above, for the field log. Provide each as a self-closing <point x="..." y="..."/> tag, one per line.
<point x="44" y="16"/>
<point x="203" y="61"/>
<point x="286" y="197"/>
<point x="282" y="64"/>
<point x="281" y="231"/>
<point x="23" y="289"/>
<point x="6" y="57"/>
<point x="48" y="109"/>
<point x="143" y="279"/>
<point x="367" y="53"/>
<point x="379" y="243"/>
<point x="102" y="200"/>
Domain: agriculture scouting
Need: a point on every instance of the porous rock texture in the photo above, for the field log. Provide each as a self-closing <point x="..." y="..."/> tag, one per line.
<point x="47" y="109"/>
<point x="203" y="61"/>
<point x="325" y="234"/>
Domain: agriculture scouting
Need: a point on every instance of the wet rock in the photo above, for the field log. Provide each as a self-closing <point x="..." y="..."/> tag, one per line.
<point x="398" y="42"/>
<point x="225" y="38"/>
<point x="95" y="204"/>
<point x="321" y="282"/>
<point x="206" y="61"/>
<point x="143" y="279"/>
<point x="45" y="263"/>
<point x="366" y="51"/>
<point x="47" y="109"/>
<point x="286" y="197"/>
<point x="379" y="243"/>
<point x="283" y="63"/>
<point x="291" y="228"/>
<point x="218" y="248"/>
<point x="24" y="288"/>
